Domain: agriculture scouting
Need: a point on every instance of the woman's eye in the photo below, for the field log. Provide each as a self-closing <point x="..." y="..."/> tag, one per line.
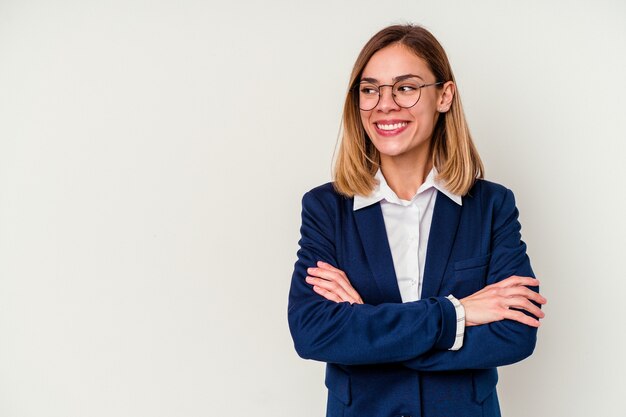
<point x="406" y="88"/>
<point x="368" y="90"/>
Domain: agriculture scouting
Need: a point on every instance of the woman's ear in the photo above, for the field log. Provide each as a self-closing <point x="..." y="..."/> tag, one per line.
<point x="445" y="99"/>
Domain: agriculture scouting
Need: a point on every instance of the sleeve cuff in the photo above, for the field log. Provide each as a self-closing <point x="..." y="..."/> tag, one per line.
<point x="460" y="323"/>
<point x="447" y="335"/>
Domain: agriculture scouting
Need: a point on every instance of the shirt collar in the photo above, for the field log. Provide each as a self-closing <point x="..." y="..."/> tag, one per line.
<point x="382" y="191"/>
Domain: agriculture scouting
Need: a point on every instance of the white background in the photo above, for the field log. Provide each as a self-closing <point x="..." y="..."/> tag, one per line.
<point x="152" y="159"/>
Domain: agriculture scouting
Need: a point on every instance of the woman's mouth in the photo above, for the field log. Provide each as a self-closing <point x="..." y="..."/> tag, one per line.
<point x="389" y="128"/>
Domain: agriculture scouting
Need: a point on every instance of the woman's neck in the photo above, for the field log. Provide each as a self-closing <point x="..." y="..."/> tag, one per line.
<point x="405" y="176"/>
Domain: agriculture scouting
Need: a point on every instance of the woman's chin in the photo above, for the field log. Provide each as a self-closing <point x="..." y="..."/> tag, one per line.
<point x="391" y="148"/>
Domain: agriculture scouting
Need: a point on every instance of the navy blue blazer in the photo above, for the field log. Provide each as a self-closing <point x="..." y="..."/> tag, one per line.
<point x="386" y="358"/>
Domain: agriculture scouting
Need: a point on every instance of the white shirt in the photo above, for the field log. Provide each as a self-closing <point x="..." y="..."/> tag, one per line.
<point x="407" y="223"/>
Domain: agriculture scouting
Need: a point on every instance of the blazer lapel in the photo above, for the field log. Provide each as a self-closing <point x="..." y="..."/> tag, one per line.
<point x="371" y="227"/>
<point x="440" y="241"/>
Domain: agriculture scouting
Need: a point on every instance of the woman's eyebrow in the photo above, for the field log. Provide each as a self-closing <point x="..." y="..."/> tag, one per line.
<point x="405" y="76"/>
<point x="395" y="79"/>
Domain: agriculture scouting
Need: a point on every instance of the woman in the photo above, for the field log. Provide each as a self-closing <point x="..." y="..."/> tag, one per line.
<point x="411" y="282"/>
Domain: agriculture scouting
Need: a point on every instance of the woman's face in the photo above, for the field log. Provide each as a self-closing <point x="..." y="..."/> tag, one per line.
<point x="396" y="131"/>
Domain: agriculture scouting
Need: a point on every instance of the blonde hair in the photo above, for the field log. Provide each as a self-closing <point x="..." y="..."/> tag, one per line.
<point x="454" y="154"/>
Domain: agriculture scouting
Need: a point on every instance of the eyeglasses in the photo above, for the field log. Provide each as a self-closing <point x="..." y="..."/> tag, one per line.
<point x="405" y="93"/>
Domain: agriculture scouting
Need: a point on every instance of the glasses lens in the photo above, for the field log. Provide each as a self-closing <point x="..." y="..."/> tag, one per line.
<point x="368" y="96"/>
<point x="406" y="93"/>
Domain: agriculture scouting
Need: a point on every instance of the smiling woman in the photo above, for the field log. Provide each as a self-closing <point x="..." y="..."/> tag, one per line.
<point x="412" y="282"/>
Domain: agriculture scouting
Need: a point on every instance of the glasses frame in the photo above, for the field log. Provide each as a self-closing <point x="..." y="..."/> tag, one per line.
<point x="393" y="96"/>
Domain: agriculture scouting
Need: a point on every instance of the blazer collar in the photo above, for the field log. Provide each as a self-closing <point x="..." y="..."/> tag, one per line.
<point x="371" y="228"/>
<point x="443" y="231"/>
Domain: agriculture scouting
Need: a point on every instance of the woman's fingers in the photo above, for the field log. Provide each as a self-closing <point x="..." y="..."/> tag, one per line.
<point x="522" y="318"/>
<point x="516" y="280"/>
<point x="327" y="294"/>
<point x="523" y="304"/>
<point x="516" y="285"/>
<point x="334" y="288"/>
<point x="331" y="286"/>
<point x="333" y="276"/>
<point x="339" y="282"/>
<point x="329" y="267"/>
<point x="526" y="293"/>
<point x="330" y="273"/>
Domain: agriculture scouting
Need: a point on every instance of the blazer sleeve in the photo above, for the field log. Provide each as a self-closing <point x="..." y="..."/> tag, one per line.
<point x="503" y="342"/>
<point x="356" y="334"/>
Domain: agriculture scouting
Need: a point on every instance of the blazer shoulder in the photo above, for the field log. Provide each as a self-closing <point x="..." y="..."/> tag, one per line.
<point x="326" y="195"/>
<point x="488" y="190"/>
<point x="489" y="196"/>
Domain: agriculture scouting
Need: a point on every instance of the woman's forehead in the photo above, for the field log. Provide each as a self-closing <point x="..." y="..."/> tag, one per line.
<point x="394" y="61"/>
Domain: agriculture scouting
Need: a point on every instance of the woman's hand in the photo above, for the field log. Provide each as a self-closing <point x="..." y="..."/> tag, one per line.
<point x="332" y="284"/>
<point x="494" y="302"/>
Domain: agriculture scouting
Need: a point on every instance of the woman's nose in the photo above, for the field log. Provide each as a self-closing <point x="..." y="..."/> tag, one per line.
<point x="386" y="101"/>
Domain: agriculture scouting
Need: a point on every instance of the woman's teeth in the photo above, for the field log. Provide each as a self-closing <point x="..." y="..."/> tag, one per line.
<point x="391" y="127"/>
